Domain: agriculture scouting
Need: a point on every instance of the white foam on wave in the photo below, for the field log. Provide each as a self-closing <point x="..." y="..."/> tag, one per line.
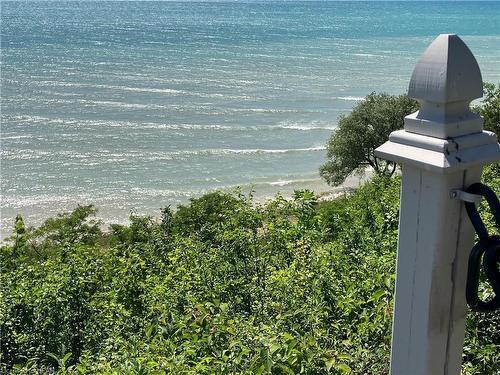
<point x="122" y="104"/>
<point x="281" y="183"/>
<point x="270" y="151"/>
<point x="24" y="154"/>
<point x="228" y="151"/>
<point x="33" y="119"/>
<point x="313" y="125"/>
<point x="305" y="127"/>
<point x="144" y="89"/>
<point x="365" y="55"/>
<point x="292" y="182"/>
<point x="154" y="90"/>
<point x="18" y="201"/>
<point x="151" y="192"/>
<point x="104" y="156"/>
<point x="189" y="126"/>
<point x="272" y="110"/>
<point x="350" y="98"/>
<point x="72" y="122"/>
<point x="3" y="137"/>
<point x="112" y="87"/>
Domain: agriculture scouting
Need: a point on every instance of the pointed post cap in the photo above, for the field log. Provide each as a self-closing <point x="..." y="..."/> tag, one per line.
<point x="446" y="72"/>
<point x="443" y="136"/>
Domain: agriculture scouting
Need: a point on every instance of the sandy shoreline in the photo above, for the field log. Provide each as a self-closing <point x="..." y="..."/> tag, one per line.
<point x="110" y="213"/>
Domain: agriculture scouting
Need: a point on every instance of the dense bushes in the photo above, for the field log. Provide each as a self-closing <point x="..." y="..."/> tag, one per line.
<point x="222" y="285"/>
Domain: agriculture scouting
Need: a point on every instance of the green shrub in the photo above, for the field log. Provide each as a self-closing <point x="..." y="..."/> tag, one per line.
<point x="223" y="285"/>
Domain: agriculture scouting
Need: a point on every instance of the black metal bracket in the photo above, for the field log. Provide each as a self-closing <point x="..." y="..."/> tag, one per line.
<point x="486" y="249"/>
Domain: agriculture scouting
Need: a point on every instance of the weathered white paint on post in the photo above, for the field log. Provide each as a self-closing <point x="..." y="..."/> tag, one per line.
<point x="442" y="147"/>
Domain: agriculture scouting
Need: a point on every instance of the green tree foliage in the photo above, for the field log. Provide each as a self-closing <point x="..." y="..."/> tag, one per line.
<point x="489" y="108"/>
<point x="352" y="145"/>
<point x="70" y="228"/>
<point x="221" y="286"/>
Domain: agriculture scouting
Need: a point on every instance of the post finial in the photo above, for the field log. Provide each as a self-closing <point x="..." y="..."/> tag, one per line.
<point x="443" y="136"/>
<point x="446" y="72"/>
<point x="445" y="80"/>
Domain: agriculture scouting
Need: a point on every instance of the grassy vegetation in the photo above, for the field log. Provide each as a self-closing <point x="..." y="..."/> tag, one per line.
<point x="220" y="286"/>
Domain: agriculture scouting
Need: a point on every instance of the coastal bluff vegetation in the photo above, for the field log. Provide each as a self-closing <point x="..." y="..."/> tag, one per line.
<point x="221" y="285"/>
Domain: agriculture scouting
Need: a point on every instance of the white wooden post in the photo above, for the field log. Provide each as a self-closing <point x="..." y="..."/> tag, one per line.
<point x="441" y="148"/>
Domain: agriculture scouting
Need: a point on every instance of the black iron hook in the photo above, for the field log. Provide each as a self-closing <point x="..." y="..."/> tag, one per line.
<point x="487" y="249"/>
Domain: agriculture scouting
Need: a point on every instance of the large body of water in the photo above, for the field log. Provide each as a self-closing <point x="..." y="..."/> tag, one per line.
<point x="145" y="104"/>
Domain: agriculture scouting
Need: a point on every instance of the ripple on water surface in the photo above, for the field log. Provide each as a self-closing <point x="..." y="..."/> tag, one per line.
<point x="141" y="105"/>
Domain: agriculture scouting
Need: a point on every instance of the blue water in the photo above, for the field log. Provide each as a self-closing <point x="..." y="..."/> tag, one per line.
<point x="138" y="105"/>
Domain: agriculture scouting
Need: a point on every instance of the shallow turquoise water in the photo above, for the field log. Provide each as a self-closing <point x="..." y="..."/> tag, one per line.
<point x="144" y="104"/>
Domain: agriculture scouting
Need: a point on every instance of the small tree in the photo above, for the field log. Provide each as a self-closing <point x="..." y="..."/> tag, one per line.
<point x="19" y="234"/>
<point x="71" y="228"/>
<point x="351" y="147"/>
